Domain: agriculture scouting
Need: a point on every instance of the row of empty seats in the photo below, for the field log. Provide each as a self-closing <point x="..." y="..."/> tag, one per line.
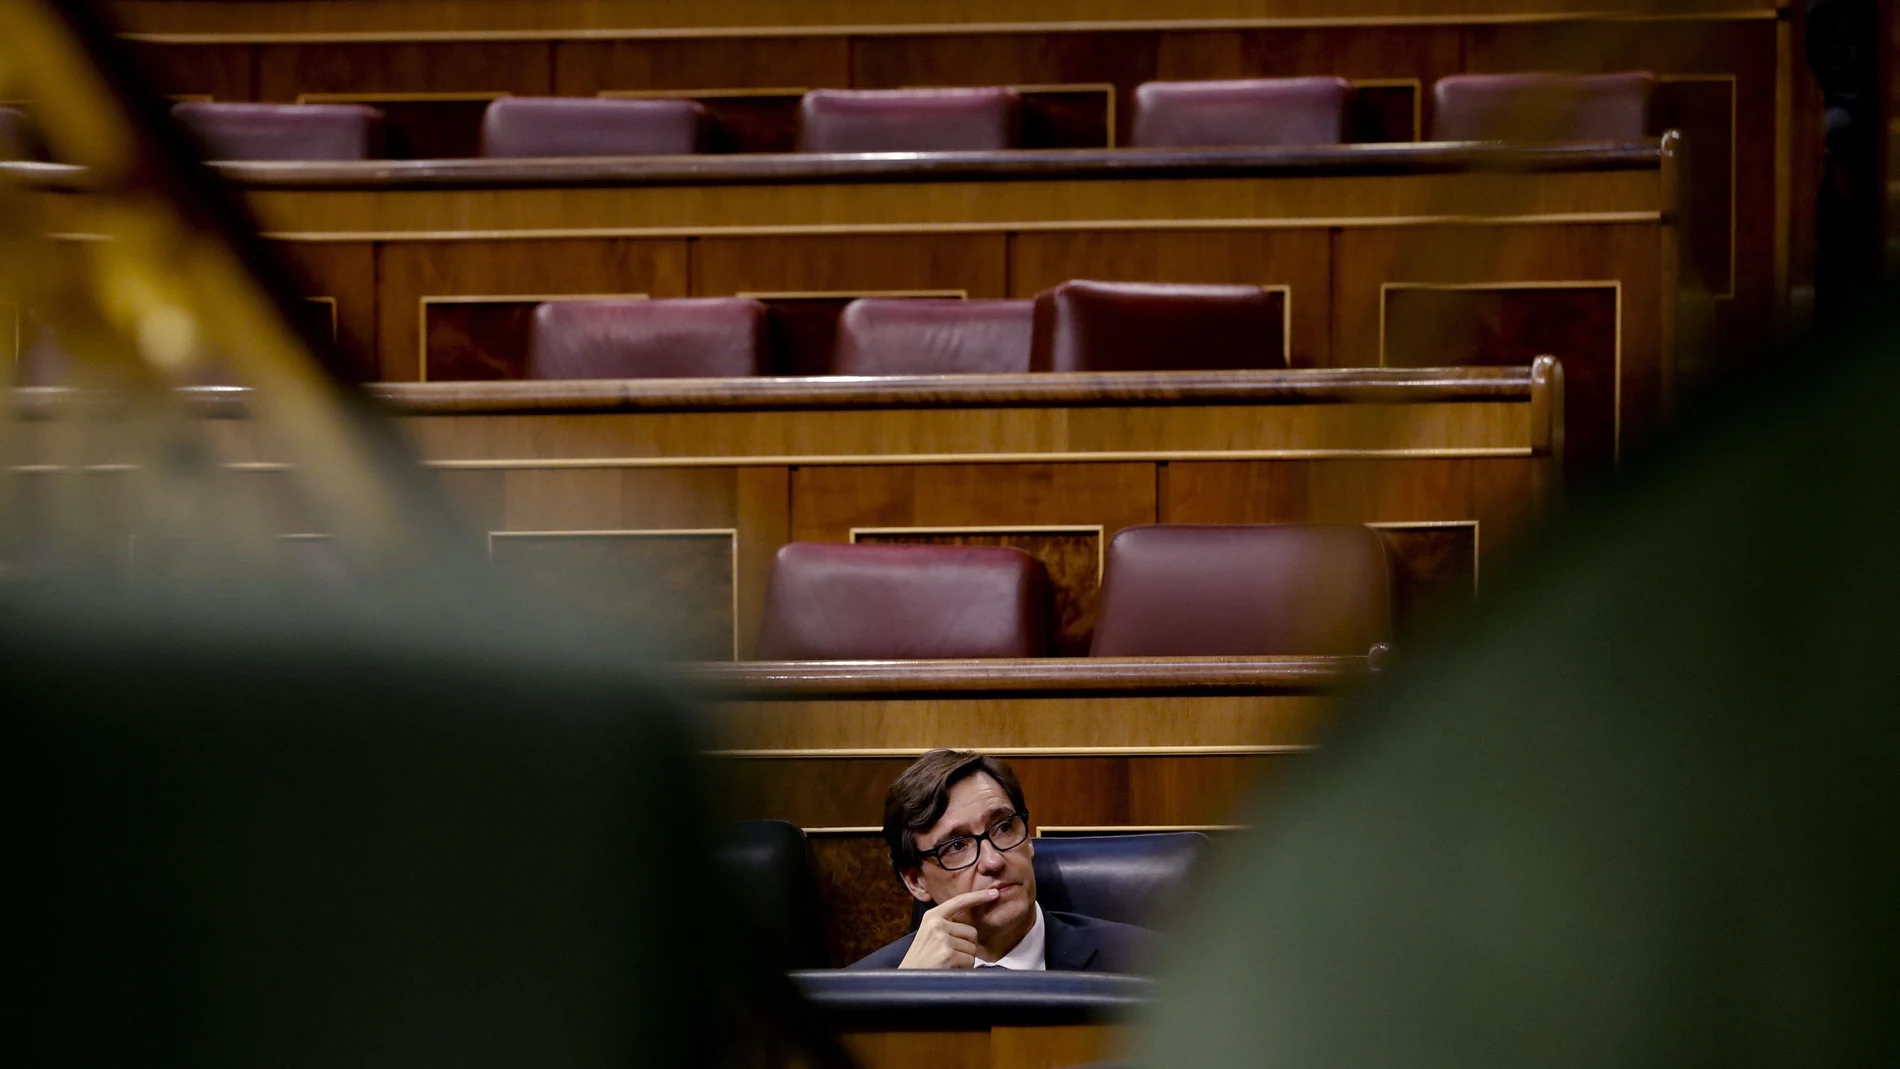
<point x="1076" y="326"/>
<point x="1248" y="112"/>
<point x="1168" y="590"/>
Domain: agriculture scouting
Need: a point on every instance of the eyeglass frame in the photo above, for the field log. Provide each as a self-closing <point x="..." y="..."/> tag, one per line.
<point x="979" y="838"/>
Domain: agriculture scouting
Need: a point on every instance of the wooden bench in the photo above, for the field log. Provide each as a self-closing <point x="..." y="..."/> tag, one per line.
<point x="1399" y="256"/>
<point x="1727" y="67"/>
<point x="666" y="500"/>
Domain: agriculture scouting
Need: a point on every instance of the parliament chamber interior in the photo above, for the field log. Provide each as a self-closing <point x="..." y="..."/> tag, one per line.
<point x="1136" y="393"/>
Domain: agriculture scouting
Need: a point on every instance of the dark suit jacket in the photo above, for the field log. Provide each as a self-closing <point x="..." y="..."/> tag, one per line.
<point x="1071" y="942"/>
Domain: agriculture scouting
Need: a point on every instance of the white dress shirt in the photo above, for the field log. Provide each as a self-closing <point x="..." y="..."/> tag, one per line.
<point x="1026" y="955"/>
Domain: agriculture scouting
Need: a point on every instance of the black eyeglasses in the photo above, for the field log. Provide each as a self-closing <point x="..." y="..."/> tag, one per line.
<point x="961" y="852"/>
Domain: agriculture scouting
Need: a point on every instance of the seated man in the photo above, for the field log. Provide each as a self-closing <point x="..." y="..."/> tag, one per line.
<point x="959" y="837"/>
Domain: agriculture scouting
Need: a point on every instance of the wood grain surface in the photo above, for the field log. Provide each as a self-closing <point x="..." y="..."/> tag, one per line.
<point x="749" y="18"/>
<point x="767" y="681"/>
<point x="1319" y="161"/>
<point x="1723" y="64"/>
<point x="1105" y="791"/>
<point x="1471" y="385"/>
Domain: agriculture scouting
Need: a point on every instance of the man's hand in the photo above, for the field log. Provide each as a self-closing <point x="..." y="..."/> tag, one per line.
<point x="945" y="938"/>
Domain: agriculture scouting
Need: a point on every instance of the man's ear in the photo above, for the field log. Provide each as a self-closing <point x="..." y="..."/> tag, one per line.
<point x="914" y="883"/>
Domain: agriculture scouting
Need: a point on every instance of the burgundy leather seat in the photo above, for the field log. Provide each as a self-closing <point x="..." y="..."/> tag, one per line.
<point x="880" y="336"/>
<point x="839" y="601"/>
<point x="1251" y="111"/>
<point x="1543" y="107"/>
<point x="1145" y="326"/>
<point x="553" y="127"/>
<point x="706" y="337"/>
<point x="909" y="120"/>
<point x="1185" y="590"/>
<point x="284" y="131"/>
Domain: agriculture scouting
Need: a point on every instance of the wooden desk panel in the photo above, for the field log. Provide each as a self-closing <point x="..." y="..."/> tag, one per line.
<point x="1592" y="295"/>
<point x="1049" y="1048"/>
<point x="1076" y="790"/>
<point x="952" y="1050"/>
<point x="1023" y="1047"/>
<point x="700" y="482"/>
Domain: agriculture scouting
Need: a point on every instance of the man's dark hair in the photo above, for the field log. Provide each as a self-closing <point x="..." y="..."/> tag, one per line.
<point x="918" y="798"/>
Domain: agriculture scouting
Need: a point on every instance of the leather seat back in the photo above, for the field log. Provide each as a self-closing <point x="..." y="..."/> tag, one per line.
<point x="1134" y="879"/>
<point x="770" y="867"/>
<point x="1188" y="590"/>
<point x="554" y="127"/>
<point x="1249" y="111"/>
<point x="839" y="601"/>
<point x="692" y="337"/>
<point x="284" y="131"/>
<point x="933" y="337"/>
<point x="909" y="120"/>
<point x="1146" y="326"/>
<point x="1543" y="107"/>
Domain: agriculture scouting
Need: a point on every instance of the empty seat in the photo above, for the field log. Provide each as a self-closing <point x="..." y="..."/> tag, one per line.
<point x="770" y="867"/>
<point x="1251" y="111"/>
<point x="1542" y="107"/>
<point x="1186" y="590"/>
<point x="839" y="601"/>
<point x="909" y="120"/>
<point x="549" y="127"/>
<point x="706" y="337"/>
<point x="1143" y="326"/>
<point x="880" y="336"/>
<point x="1134" y="879"/>
<point x="284" y="131"/>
